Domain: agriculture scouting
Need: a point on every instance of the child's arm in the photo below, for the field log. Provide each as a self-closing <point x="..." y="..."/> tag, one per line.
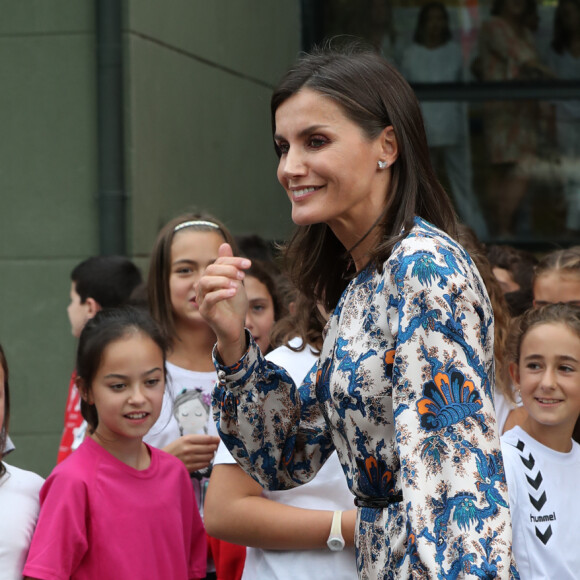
<point x="235" y="511"/>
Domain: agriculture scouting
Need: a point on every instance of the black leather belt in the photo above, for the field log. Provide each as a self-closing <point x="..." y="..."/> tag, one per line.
<point x="378" y="502"/>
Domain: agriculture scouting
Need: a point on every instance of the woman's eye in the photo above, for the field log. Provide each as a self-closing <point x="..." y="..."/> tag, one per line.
<point x="317" y="142"/>
<point x="566" y="369"/>
<point x="258" y="308"/>
<point x="117" y="387"/>
<point x="152" y="382"/>
<point x="282" y="148"/>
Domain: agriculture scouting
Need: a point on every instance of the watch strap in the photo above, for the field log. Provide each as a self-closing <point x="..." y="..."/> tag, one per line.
<point x="335" y="540"/>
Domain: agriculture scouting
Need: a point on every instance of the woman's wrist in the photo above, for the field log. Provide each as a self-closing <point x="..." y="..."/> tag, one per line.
<point x="230" y="352"/>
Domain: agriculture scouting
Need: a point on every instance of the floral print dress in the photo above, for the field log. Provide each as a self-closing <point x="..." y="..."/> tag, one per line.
<point x="403" y="391"/>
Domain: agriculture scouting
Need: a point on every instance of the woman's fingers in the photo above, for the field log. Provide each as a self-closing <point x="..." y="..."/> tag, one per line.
<point x="222" y="278"/>
<point x="226" y="257"/>
<point x="222" y="299"/>
<point x="230" y="267"/>
<point x="225" y="274"/>
<point x="212" y="290"/>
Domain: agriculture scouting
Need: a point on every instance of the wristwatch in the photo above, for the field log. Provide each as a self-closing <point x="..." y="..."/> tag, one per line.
<point x="335" y="540"/>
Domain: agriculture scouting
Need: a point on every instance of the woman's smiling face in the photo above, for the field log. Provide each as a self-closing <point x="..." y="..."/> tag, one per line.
<point x="328" y="165"/>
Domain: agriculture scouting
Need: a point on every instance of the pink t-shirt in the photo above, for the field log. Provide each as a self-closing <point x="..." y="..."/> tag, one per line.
<point x="100" y="518"/>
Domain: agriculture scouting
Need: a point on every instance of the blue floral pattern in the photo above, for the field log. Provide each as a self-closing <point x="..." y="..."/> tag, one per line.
<point x="403" y="392"/>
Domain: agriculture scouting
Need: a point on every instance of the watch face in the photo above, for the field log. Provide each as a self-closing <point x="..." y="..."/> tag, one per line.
<point x="335" y="544"/>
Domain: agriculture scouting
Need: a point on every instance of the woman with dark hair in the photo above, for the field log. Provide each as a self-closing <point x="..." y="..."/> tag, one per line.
<point x="564" y="60"/>
<point x="434" y="57"/>
<point x="402" y="389"/>
<point x="19" y="503"/>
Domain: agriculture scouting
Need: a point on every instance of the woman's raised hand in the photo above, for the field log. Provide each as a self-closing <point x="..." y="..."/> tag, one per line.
<point x="223" y="303"/>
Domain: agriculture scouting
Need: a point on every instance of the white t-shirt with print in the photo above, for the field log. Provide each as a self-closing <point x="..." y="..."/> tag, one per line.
<point x="543" y="495"/>
<point x="186" y="410"/>
<point x="179" y="380"/>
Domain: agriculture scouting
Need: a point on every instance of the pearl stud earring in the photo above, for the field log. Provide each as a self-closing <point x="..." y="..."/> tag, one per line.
<point x="382" y="164"/>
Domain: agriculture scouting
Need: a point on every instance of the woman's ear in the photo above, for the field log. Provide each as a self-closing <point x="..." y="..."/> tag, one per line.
<point x="389" y="145"/>
<point x="85" y="393"/>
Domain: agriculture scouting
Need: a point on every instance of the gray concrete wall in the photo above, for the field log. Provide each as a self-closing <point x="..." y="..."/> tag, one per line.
<point x="47" y="206"/>
<point x="198" y="82"/>
<point x="198" y="133"/>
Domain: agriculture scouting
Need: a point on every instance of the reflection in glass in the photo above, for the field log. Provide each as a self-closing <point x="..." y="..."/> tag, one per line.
<point x="434" y="57"/>
<point x="564" y="60"/>
<point x="519" y="160"/>
<point x="512" y="128"/>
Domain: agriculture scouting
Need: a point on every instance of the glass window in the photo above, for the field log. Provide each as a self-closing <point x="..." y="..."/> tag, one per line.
<point x="498" y="83"/>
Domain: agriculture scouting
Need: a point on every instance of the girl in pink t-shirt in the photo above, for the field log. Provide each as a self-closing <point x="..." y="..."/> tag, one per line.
<point x="118" y="508"/>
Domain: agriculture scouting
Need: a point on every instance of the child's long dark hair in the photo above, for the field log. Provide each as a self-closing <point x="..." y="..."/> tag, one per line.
<point x="305" y="321"/>
<point x="5" y="424"/>
<point x="106" y="327"/>
<point x="550" y="314"/>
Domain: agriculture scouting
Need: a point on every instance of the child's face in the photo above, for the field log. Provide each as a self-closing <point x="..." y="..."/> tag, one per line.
<point x="127" y="389"/>
<point x="554" y="287"/>
<point x="548" y="376"/>
<point x="260" y="316"/>
<point x="78" y="313"/>
<point x="191" y="253"/>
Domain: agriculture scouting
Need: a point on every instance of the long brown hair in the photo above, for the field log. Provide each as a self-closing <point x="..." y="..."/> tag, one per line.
<point x="305" y="320"/>
<point x="160" y="264"/>
<point x="501" y="314"/>
<point x="373" y="95"/>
